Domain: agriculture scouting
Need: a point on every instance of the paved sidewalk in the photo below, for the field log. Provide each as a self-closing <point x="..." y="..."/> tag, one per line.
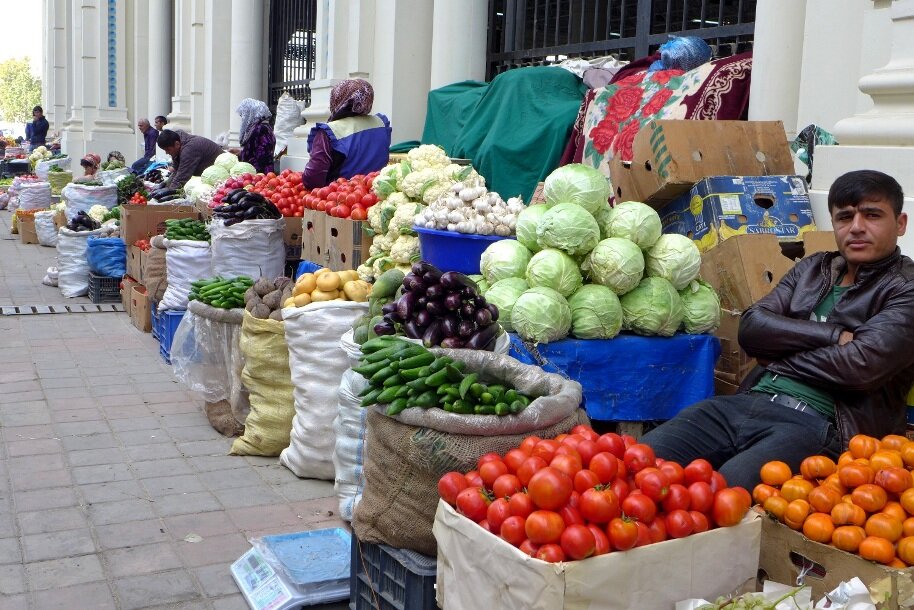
<point x="109" y="469"/>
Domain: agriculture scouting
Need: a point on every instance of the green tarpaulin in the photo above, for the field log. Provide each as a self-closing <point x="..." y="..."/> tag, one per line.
<point x="514" y="129"/>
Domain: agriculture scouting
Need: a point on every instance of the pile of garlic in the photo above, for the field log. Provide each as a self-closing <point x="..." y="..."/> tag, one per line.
<point x="472" y="209"/>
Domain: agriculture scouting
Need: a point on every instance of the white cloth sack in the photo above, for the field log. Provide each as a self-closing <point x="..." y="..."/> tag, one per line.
<point x="50" y="277"/>
<point x="349" y="426"/>
<point x="253" y="248"/>
<point x="46" y="228"/>
<point x="109" y="178"/>
<point x="82" y="197"/>
<point x="35" y="196"/>
<point x="4" y="199"/>
<point x="186" y="261"/>
<point x="288" y="117"/>
<point x="317" y="363"/>
<point x="43" y="167"/>
<point x="73" y="269"/>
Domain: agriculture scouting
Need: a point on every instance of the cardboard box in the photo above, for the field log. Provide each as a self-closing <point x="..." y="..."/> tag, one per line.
<point x="314" y="238"/>
<point x="669" y="157"/>
<point x="718" y="208"/>
<point x="734" y="364"/>
<point x="539" y="194"/>
<point x="784" y="552"/>
<point x="127" y="285"/>
<point x="139" y="309"/>
<point x="135" y="262"/>
<point x="145" y="221"/>
<point x="27" y="232"/>
<point x="292" y="236"/>
<point x="347" y="244"/>
<point x="60" y="220"/>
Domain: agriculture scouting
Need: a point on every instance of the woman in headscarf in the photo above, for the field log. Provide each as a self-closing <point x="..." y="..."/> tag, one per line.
<point x="90" y="164"/>
<point x="257" y="139"/>
<point x="352" y="141"/>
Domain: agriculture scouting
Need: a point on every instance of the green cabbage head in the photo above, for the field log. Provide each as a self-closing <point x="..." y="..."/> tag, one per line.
<point x="541" y="315"/>
<point x="554" y="269"/>
<point x="701" y="308"/>
<point x="214" y="174"/>
<point x="226" y="160"/>
<point x="569" y="228"/>
<point x="503" y="294"/>
<point x="242" y="168"/>
<point x="595" y="312"/>
<point x="527" y="221"/>
<point x="635" y="221"/>
<point x="652" y="308"/>
<point x="504" y="258"/>
<point x="674" y="258"/>
<point x="578" y="184"/>
<point x="616" y="263"/>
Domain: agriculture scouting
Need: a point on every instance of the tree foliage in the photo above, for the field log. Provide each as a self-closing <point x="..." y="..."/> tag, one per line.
<point x="20" y="91"/>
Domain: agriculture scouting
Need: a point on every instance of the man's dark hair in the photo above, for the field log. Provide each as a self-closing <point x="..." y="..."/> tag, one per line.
<point x="865" y="185"/>
<point x="162" y="119"/>
<point x="39" y="109"/>
<point x="167" y="138"/>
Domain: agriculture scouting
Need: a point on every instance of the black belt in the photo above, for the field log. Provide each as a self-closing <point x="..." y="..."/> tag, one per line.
<point x="793" y="403"/>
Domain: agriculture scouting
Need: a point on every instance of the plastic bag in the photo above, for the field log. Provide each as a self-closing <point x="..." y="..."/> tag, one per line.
<point x="42" y="168"/>
<point x="107" y="256"/>
<point x="82" y="197"/>
<point x="288" y="117"/>
<point x="73" y="277"/>
<point x="186" y="261"/>
<point x="805" y="145"/>
<point x="35" y="196"/>
<point x="317" y="363"/>
<point x="50" y="277"/>
<point x="46" y="228"/>
<point x="254" y="248"/>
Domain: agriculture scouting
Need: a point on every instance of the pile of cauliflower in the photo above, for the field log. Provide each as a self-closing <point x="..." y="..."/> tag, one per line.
<point x="40" y="154"/>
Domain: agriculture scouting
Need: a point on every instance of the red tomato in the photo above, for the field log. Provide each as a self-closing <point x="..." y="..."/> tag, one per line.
<point x="489" y="471"/>
<point x="620" y="488"/>
<point x="629" y="440"/>
<point x="550" y="552"/>
<point x="473" y="502"/>
<point x="506" y="485"/>
<point x="531" y="466"/>
<point x="599" y="505"/>
<point x="569" y="464"/>
<point x="698" y="470"/>
<point x="612" y="443"/>
<point x="451" y="484"/>
<point x="569" y="447"/>
<point x="729" y="507"/>
<point x="584" y="480"/>
<point x="578" y="542"/>
<point x="528" y="444"/>
<point x="605" y="465"/>
<point x="679" y="524"/>
<point x="546" y="449"/>
<point x="638" y="457"/>
<point x="585" y="431"/>
<point x="640" y="507"/>
<point x="677" y="499"/>
<point x="600" y="538"/>
<point x="658" y="530"/>
<point x="623" y="534"/>
<point x="701" y="498"/>
<point x="575" y="499"/>
<point x="528" y="547"/>
<point x="745" y="493"/>
<point x="474" y="479"/>
<point x="521" y="505"/>
<point x="512" y="530"/>
<point x="513" y="460"/>
<point x="587" y="449"/>
<point x="484" y="524"/>
<point x="571" y="515"/>
<point x="544" y="526"/>
<point x="497" y="512"/>
<point x="673" y="471"/>
<point x="644" y="534"/>
<point x="700" y="522"/>
<point x="718" y="482"/>
<point x="550" y="488"/>
<point x="655" y="485"/>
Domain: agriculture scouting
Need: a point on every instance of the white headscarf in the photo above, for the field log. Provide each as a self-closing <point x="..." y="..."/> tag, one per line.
<point x="252" y="112"/>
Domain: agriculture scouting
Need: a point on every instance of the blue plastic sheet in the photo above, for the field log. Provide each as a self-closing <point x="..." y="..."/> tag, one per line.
<point x="631" y="378"/>
<point x="107" y="256"/>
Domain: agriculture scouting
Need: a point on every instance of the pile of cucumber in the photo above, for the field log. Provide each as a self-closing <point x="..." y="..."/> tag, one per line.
<point x="401" y="375"/>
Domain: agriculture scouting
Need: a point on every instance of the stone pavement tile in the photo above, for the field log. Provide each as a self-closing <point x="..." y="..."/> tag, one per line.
<point x="55" y="545"/>
<point x="102" y="473"/>
<point x="29" y="385"/>
<point x="217" y="462"/>
<point x="73" y="371"/>
<point x="151" y="589"/>
<point x="317" y="510"/>
<point x="14" y="602"/>
<point x="12" y="580"/>
<point x="257" y="517"/>
<point x="19" y="397"/>
<point x="112" y="491"/>
<point x="12" y="376"/>
<point x="66" y="393"/>
<point x="95" y="595"/>
<point x="132" y="533"/>
<point x="73" y="403"/>
<point x="38" y="480"/>
<point x="35" y="418"/>
<point x="77" y="415"/>
<point x="305" y="489"/>
<point x="64" y="572"/>
<point x="160" y="451"/>
<point x="204" y="524"/>
<point x="56" y="497"/>
<point x="228" y="479"/>
<point x="232" y="602"/>
<point x="276" y="474"/>
<point x="103" y="380"/>
<point x="9" y="551"/>
<point x="95" y="457"/>
<point x="33" y="447"/>
<point x="162" y="468"/>
<point x="62" y="382"/>
<point x="182" y="408"/>
<point x="149" y="436"/>
<point x="27" y="433"/>
<point x="186" y="503"/>
<point x="179" y="420"/>
<point x="215" y="549"/>
<point x="120" y="511"/>
<point x="144" y="559"/>
<point x="163" y="486"/>
<point x="240" y="497"/>
<point x="121" y="400"/>
<point x="136" y="423"/>
<point x="51" y="520"/>
<point x="217" y="579"/>
<point x="103" y="440"/>
<point x="194" y="433"/>
<point x="156" y="397"/>
<point x="111" y="390"/>
<point x="37" y="463"/>
<point x="78" y="428"/>
<point x="260" y="460"/>
<point x="7" y="525"/>
<point x="126" y="411"/>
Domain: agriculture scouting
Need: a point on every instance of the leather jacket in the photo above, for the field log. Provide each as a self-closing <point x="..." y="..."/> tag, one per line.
<point x="868" y="377"/>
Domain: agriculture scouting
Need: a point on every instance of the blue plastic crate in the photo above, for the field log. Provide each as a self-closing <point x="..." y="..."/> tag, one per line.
<point x="385" y="578"/>
<point x="154" y="319"/>
<point x="168" y="325"/>
<point x="451" y="251"/>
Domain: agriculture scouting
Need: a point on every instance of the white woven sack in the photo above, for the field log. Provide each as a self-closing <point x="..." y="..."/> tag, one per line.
<point x="46" y="228"/>
<point x="253" y="248"/>
<point x="73" y="269"/>
<point x="110" y="177"/>
<point x="317" y="363"/>
<point x="35" y="196"/>
<point x="186" y="261"/>
<point x="83" y="197"/>
<point x="350" y="430"/>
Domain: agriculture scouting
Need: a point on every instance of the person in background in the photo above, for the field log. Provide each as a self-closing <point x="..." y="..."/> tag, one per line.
<point x="833" y="341"/>
<point x="352" y="141"/>
<point x="256" y="135"/>
<point x="160" y="123"/>
<point x="40" y="128"/>
<point x="149" y="146"/>
<point x="90" y="164"/>
<point x="190" y="155"/>
<point x="116" y="155"/>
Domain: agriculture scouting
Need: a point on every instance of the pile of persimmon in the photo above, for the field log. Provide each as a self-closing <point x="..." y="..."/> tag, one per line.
<point x="862" y="504"/>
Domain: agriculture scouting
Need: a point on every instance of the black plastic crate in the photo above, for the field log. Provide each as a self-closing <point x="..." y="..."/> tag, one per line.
<point x="104" y="289"/>
<point x="385" y="578"/>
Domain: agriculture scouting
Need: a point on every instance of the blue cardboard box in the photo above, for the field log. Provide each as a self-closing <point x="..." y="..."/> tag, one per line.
<point x="721" y="207"/>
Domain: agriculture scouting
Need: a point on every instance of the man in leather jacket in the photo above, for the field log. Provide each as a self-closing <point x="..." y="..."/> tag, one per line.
<point x="835" y="341"/>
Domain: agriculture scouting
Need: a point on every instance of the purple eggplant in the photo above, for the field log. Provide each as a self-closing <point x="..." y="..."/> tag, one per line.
<point x="483" y="317"/>
<point x="406" y="304"/>
<point x="393" y="318"/>
<point x="408" y="281"/>
<point x="413" y="330"/>
<point x="452" y="301"/>
<point x="470" y="292"/>
<point x="432" y="277"/>
<point x="480" y="302"/>
<point x="384" y="328"/>
<point x="432" y="335"/>
<point x="421" y="302"/>
<point x="423" y="319"/>
<point x="466" y="328"/>
<point x="423" y="267"/>
<point x="454" y="279"/>
<point x="389" y="308"/>
<point x="452" y="343"/>
<point x="484" y="339"/>
<point x="417" y="287"/>
<point x="436" y="308"/>
<point x="467" y="311"/>
<point x="435" y="292"/>
<point x="449" y="325"/>
<point x="493" y="310"/>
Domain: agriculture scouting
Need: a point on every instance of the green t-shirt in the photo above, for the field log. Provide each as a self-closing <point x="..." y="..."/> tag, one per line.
<point x="818" y="399"/>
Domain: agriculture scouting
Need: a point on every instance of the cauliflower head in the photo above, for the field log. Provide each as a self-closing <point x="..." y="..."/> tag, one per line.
<point x="405" y="249"/>
<point x="97" y="213"/>
<point x="416" y="183"/>
<point x="427" y="156"/>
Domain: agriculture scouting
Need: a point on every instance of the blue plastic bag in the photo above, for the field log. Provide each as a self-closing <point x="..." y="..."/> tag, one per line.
<point x="306" y="267"/>
<point x="107" y="256"/>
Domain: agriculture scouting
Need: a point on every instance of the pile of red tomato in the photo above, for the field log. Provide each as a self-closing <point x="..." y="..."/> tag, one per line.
<point x="285" y="190"/>
<point x="344" y="198"/>
<point x="583" y="494"/>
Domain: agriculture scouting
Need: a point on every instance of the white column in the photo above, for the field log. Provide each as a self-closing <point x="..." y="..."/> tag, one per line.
<point x="111" y="63"/>
<point x="215" y="76"/>
<point x="179" y="117"/>
<point x="55" y="98"/>
<point x="246" y="44"/>
<point x="47" y="65"/>
<point x="331" y="66"/>
<point x="459" y="37"/>
<point x="777" y="60"/>
<point x="159" y="70"/>
<point x="84" y="75"/>
<point x="198" y="68"/>
<point x="361" y="39"/>
<point x="138" y="54"/>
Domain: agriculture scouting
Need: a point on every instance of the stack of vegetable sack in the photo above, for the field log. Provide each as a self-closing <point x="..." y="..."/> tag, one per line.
<point x="638" y="279"/>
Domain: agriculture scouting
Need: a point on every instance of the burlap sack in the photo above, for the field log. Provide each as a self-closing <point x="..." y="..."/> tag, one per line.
<point x="154" y="272"/>
<point x="220" y="417"/>
<point x="402" y="470"/>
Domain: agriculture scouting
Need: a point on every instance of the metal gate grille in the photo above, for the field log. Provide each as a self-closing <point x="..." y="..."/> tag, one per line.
<point x="291" y="61"/>
<point x="543" y="32"/>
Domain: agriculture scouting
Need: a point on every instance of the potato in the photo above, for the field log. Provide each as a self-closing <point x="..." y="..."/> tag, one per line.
<point x="276" y="315"/>
<point x="328" y="282"/>
<point x="250" y="294"/>
<point x="261" y="311"/>
<point x="357" y="290"/>
<point x="350" y="275"/>
<point x="251" y="303"/>
<point x="290" y="302"/>
<point x="302" y="300"/>
<point x="306" y="283"/>
<point x="322" y="270"/>
<point x="320" y="295"/>
<point x="273" y="300"/>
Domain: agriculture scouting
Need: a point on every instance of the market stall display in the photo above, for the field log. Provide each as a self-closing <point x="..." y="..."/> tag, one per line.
<point x="59" y="178"/>
<point x="83" y="196"/>
<point x="186" y="260"/>
<point x="220" y="292"/>
<point x="247" y="237"/>
<point x="325" y="285"/>
<point x="265" y="298"/>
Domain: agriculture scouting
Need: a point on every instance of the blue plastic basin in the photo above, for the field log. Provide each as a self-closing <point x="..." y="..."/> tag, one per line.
<point x="454" y="251"/>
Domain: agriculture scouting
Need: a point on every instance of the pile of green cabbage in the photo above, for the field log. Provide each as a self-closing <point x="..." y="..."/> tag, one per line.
<point x="581" y="266"/>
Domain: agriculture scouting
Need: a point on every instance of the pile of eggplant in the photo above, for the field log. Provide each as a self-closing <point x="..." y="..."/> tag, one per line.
<point x="82" y="222"/>
<point x="443" y="309"/>
<point x="242" y="204"/>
